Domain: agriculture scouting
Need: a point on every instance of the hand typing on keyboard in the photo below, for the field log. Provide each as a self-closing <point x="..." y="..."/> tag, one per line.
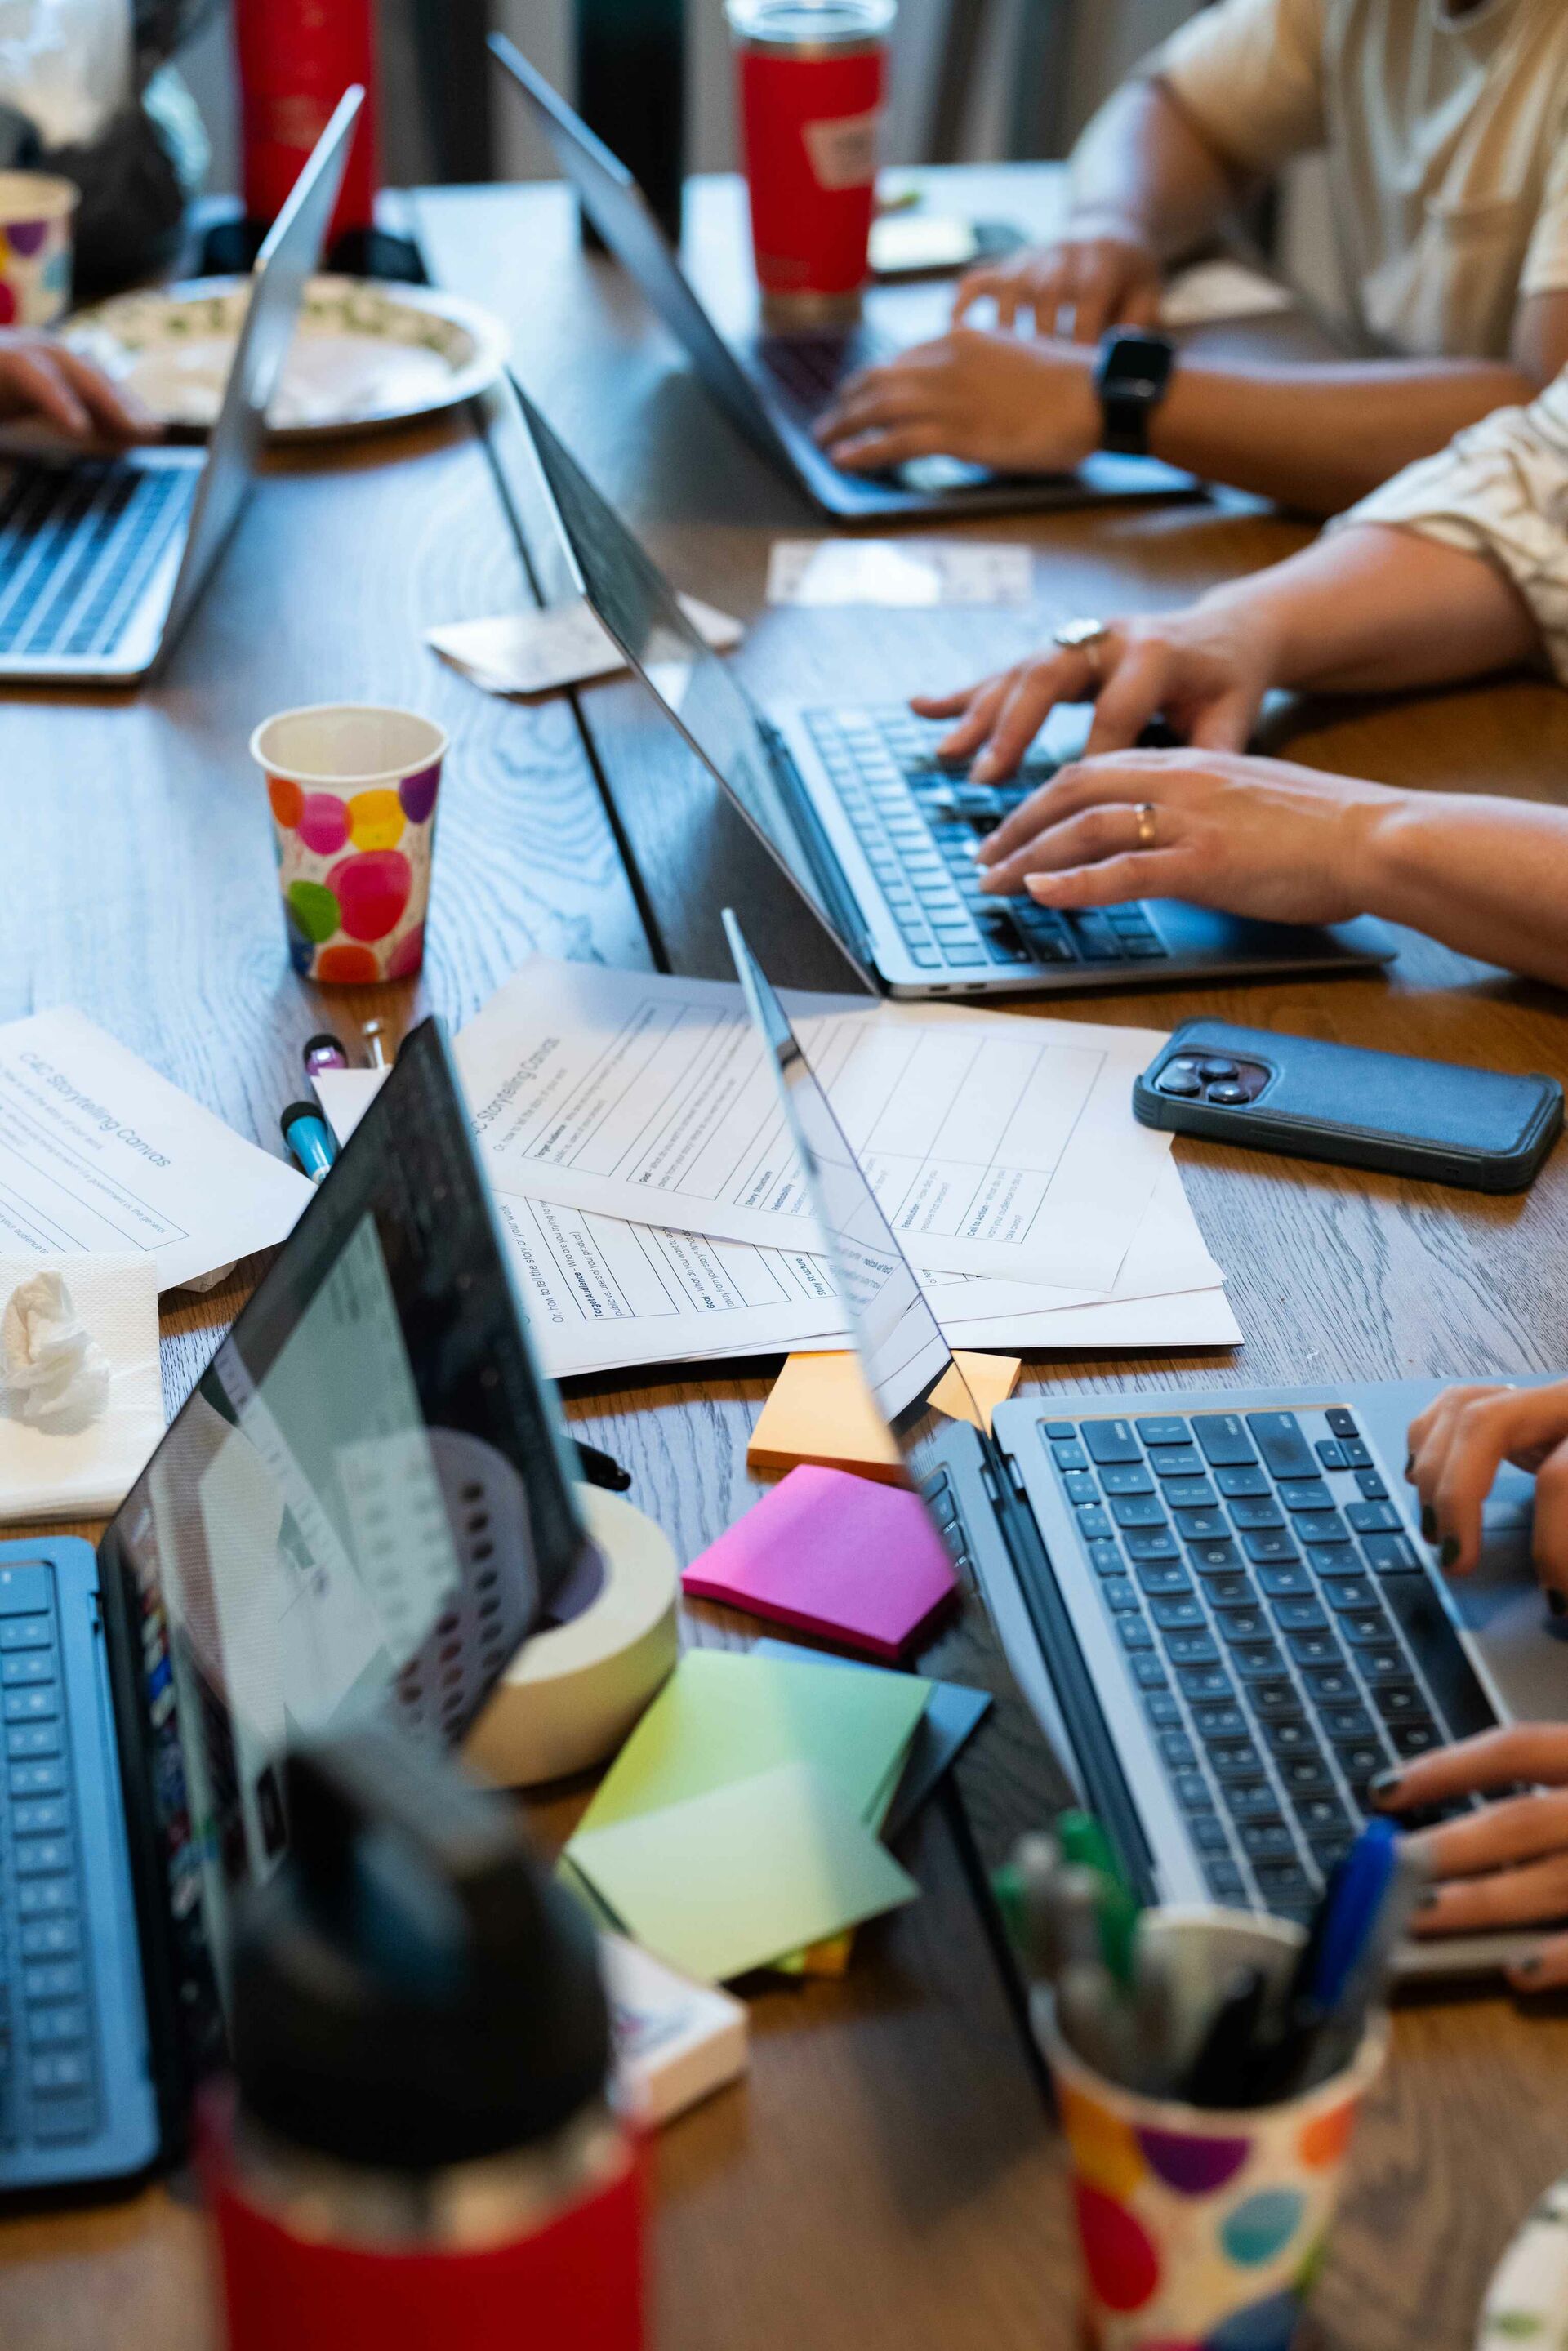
<point x="1206" y="672"/>
<point x="990" y="399"/>
<point x="1505" y="1865"/>
<point x="42" y="380"/>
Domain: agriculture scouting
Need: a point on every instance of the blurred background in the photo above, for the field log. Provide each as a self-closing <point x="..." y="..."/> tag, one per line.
<point x="973" y="80"/>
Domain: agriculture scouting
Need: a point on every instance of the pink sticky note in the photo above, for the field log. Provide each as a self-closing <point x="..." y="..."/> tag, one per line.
<point x="830" y="1554"/>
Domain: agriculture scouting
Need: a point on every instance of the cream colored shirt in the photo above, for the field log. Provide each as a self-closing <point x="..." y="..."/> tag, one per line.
<point x="1448" y="136"/>
<point x="1498" y="490"/>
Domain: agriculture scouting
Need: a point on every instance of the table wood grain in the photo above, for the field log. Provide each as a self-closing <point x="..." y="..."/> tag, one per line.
<point x="886" y="2173"/>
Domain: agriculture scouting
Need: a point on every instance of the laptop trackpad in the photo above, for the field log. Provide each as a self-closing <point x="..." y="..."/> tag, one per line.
<point x="1503" y="1608"/>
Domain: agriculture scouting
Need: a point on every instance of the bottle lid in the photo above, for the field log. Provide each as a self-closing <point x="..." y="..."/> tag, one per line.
<point x="410" y="1990"/>
<point x="811" y="28"/>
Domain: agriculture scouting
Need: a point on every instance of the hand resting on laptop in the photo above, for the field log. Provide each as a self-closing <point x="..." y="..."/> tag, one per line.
<point x="42" y="382"/>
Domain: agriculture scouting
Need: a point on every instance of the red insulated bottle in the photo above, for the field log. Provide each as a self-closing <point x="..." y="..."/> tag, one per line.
<point x="296" y="60"/>
<point x="417" y="2151"/>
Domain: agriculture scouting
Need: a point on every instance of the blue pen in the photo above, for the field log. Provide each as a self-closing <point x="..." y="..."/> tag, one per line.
<point x="309" y="1138"/>
<point x="1353" y="1901"/>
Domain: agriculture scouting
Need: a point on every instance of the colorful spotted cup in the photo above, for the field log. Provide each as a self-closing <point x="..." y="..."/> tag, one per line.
<point x="1202" y="2231"/>
<point x="352" y="788"/>
<point x="36" y="211"/>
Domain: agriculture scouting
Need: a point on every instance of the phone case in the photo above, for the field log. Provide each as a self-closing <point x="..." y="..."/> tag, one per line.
<point x="1482" y="1129"/>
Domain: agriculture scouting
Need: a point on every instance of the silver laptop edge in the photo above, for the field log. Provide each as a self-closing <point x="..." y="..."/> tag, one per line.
<point x="1498" y="1614"/>
<point x="227" y="466"/>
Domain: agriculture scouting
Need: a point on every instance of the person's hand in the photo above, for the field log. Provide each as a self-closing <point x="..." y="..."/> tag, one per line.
<point x="1206" y="672"/>
<point x="1022" y="408"/>
<point x="1505" y="1865"/>
<point x="1457" y="1448"/>
<point x="40" y="377"/>
<point x="1100" y="274"/>
<point x="1255" y="837"/>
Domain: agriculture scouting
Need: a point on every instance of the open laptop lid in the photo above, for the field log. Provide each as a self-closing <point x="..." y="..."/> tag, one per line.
<point x="289" y="255"/>
<point x="363" y="1507"/>
<point x="691" y="684"/>
<point x="620" y="212"/>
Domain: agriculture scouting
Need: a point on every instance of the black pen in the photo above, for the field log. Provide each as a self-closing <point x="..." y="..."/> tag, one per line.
<point x="1230" y="2046"/>
<point x="601" y="1468"/>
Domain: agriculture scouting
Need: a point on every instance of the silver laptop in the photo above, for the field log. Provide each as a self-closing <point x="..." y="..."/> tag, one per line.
<point x="774" y="386"/>
<point x="873" y="835"/>
<point x="103" y="559"/>
<point x="1218" y="1603"/>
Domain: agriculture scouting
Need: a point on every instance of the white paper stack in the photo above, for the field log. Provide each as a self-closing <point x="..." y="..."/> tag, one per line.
<point x="631" y="1133"/>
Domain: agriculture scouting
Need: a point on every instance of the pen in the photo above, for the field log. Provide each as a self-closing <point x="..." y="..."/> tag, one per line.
<point x="373" y="1031"/>
<point x="1219" y="2071"/>
<point x="1085" y="1843"/>
<point x="323" y="1052"/>
<point x="309" y="1138"/>
<point x="1351" y="1903"/>
<point x="601" y="1468"/>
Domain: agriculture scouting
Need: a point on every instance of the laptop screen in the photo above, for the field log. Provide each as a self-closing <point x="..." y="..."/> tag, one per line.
<point x="363" y="1508"/>
<point x="638" y="606"/>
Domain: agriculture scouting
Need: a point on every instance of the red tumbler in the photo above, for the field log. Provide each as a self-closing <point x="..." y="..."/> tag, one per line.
<point x="812" y="79"/>
<point x="296" y="57"/>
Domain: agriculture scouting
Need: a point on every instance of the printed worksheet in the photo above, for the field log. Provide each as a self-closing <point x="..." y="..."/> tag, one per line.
<point x="998" y="1145"/>
<point x="605" y="1295"/>
<point x="97" y="1153"/>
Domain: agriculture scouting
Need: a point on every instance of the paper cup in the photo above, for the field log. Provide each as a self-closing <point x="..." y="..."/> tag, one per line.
<point x="36" y="211"/>
<point x="352" y="788"/>
<point x="1203" y="2230"/>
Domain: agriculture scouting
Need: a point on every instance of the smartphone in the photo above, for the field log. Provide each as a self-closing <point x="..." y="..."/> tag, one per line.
<point x="935" y="245"/>
<point x="1483" y="1129"/>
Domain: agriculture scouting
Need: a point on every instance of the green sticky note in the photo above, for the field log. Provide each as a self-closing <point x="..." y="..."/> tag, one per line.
<point x="729" y="1879"/>
<point x="723" y="1716"/>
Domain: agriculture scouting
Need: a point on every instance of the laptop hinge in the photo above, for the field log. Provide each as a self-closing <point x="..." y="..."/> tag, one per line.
<point x="826" y="869"/>
<point x="1094" y="1748"/>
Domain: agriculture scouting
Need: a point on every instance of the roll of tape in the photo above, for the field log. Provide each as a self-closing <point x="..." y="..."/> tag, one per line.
<point x="571" y="1695"/>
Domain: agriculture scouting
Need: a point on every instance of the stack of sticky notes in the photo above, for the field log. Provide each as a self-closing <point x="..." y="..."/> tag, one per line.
<point x="836" y="1555"/>
<point x="739" y="1823"/>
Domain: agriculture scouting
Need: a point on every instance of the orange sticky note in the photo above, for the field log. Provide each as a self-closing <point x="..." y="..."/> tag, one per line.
<point x="822" y="1411"/>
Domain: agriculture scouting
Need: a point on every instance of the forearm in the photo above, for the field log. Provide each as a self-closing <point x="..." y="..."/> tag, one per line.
<point x="1376" y="609"/>
<point x="1141" y="164"/>
<point x="1487" y="877"/>
<point x="1318" y="438"/>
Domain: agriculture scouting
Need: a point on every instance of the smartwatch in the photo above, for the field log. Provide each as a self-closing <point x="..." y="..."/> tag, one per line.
<point x="1132" y="377"/>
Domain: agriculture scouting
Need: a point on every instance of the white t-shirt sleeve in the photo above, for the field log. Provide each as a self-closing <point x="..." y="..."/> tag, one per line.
<point x="1250" y="75"/>
<point x="1545" y="269"/>
<point x="1500" y="490"/>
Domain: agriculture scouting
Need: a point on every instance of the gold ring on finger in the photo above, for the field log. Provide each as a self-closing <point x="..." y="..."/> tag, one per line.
<point x="1147" y="818"/>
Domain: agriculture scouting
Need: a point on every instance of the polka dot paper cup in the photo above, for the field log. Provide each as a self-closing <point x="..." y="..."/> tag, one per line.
<point x="1202" y="2231"/>
<point x="36" y="216"/>
<point x="352" y="788"/>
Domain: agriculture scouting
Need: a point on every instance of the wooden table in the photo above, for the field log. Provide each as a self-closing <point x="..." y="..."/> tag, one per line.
<point x="886" y="2175"/>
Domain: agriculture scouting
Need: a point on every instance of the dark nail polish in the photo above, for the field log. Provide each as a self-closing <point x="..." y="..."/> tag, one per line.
<point x="1558" y="1602"/>
<point x="1410" y="1463"/>
<point x="1429" y="1523"/>
<point x="1450" y="1550"/>
<point x="1530" y="1966"/>
<point x="1429" y="1898"/>
<point x="1384" y="1782"/>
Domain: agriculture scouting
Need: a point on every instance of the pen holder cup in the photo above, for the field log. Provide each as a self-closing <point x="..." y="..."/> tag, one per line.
<point x="1202" y="2229"/>
<point x="352" y="788"/>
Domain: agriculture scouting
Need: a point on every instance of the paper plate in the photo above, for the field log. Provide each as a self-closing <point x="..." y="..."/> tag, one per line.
<point x="365" y="353"/>
<point x="1527" y="2301"/>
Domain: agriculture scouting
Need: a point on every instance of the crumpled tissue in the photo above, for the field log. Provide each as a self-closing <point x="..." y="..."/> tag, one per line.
<point x="81" y="1392"/>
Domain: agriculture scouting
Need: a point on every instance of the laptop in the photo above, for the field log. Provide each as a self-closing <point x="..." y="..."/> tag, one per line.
<point x="362" y="1509"/>
<point x="773" y="387"/>
<point x="103" y="559"/>
<point x="873" y="836"/>
<point x="1218" y="1603"/>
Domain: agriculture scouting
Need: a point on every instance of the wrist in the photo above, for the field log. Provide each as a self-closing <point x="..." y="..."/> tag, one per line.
<point x="1090" y="216"/>
<point x="1381" y="835"/>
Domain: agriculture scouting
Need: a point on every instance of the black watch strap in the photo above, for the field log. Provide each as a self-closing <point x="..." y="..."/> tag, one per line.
<point x="1131" y="378"/>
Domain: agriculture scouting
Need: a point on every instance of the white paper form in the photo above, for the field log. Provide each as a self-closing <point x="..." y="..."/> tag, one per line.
<point x="998" y="1146"/>
<point x="905" y="572"/>
<point x="98" y="1154"/>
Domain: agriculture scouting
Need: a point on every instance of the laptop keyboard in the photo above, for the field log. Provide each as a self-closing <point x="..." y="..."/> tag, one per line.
<point x="808" y="369"/>
<point x="48" y="2068"/>
<point x="1284" y="1639"/>
<point x="78" y="545"/>
<point x="918" y="822"/>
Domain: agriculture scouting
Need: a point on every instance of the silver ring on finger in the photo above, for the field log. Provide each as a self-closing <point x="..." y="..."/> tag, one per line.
<point x="1085" y="637"/>
<point x="1148" y="823"/>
